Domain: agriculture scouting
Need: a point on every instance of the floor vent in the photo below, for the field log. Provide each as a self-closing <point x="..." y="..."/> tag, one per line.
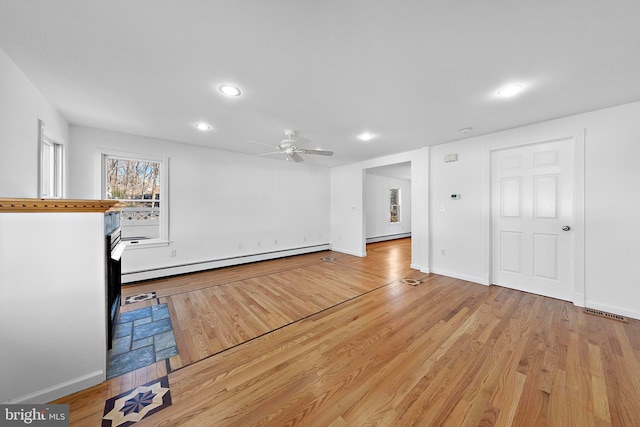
<point x="605" y="314"/>
<point x="328" y="258"/>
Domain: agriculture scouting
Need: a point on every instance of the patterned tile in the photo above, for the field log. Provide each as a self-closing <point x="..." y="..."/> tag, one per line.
<point x="152" y="328"/>
<point x="142" y="343"/>
<point x="132" y="406"/>
<point x="121" y="345"/>
<point x="164" y="340"/>
<point x="166" y="353"/>
<point x="142" y="321"/>
<point x="159" y="312"/>
<point x="141" y="297"/>
<point x="130" y="316"/>
<point x="122" y="329"/>
<point x="122" y="363"/>
<point x="145" y="337"/>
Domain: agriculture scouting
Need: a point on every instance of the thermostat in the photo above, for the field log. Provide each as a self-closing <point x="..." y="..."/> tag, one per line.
<point x="455" y="196"/>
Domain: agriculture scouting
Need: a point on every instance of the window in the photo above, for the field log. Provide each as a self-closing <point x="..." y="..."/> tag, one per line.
<point x="394" y="205"/>
<point x="139" y="182"/>
<point x="51" y="162"/>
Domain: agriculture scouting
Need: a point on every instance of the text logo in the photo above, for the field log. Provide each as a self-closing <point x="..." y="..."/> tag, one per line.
<point x="34" y="415"/>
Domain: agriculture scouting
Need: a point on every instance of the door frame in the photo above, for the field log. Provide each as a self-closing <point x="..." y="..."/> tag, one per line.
<point x="577" y="139"/>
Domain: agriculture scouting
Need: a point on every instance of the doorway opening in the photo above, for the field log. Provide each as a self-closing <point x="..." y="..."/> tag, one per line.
<point x="387" y="202"/>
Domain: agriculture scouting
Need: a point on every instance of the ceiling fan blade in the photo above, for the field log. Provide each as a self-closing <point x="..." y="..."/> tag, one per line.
<point x="262" y="143"/>
<point x="320" y="152"/>
<point x="268" y="154"/>
<point x="296" y="157"/>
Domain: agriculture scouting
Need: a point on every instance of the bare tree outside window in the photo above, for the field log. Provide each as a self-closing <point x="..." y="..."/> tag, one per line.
<point x="136" y="183"/>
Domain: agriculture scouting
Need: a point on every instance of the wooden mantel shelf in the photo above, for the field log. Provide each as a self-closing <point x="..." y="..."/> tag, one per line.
<point x="57" y="205"/>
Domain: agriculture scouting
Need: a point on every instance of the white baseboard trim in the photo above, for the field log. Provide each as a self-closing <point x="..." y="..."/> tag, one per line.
<point x="349" y="252"/>
<point x="60" y="390"/>
<point x="420" y="268"/>
<point x="388" y="237"/>
<point x="136" y="276"/>
<point x="613" y="309"/>
<point x="478" y="280"/>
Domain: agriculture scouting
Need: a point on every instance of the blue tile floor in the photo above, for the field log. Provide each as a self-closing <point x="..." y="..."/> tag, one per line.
<point x="141" y="338"/>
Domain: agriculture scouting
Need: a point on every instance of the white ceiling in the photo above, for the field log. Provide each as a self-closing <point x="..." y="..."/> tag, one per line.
<point x="412" y="72"/>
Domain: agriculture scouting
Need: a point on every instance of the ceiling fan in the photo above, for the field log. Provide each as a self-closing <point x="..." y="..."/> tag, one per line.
<point x="288" y="147"/>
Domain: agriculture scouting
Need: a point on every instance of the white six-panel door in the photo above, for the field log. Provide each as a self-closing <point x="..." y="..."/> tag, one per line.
<point x="532" y="215"/>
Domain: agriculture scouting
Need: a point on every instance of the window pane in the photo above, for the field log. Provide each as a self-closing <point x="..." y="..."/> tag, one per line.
<point x="394" y="205"/>
<point x="137" y="184"/>
<point x="47" y="170"/>
<point x="50" y="166"/>
<point x="56" y="166"/>
<point x="394" y="214"/>
<point x="394" y="196"/>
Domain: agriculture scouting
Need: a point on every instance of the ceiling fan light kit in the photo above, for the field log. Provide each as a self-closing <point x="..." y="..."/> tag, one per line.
<point x="289" y="148"/>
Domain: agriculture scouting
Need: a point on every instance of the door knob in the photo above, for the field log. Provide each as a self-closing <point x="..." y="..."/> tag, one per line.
<point x="566" y="228"/>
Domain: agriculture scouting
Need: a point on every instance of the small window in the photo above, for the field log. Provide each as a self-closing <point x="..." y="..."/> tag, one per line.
<point x="51" y="162"/>
<point x="394" y="205"/>
<point x="140" y="184"/>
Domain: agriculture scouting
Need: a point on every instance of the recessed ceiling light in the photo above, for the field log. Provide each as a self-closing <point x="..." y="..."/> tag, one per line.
<point x="466" y="130"/>
<point x="229" y="90"/>
<point x="202" y="126"/>
<point x="510" y="90"/>
<point x="366" y="136"/>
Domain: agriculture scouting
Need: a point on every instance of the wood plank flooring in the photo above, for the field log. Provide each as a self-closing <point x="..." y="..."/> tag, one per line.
<point x="304" y="341"/>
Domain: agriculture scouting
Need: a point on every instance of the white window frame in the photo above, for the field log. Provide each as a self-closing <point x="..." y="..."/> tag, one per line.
<point x="50" y="166"/>
<point x="163" y="239"/>
<point x="398" y="206"/>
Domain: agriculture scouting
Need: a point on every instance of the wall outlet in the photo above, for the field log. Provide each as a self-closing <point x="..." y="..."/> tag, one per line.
<point x="174" y="252"/>
<point x="258" y="243"/>
<point x="443" y="252"/>
<point x="275" y="242"/>
<point x="239" y="245"/>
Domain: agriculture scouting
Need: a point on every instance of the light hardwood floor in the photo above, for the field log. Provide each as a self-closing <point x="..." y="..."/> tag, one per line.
<point x="344" y="342"/>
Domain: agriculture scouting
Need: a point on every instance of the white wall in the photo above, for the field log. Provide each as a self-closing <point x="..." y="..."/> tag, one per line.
<point x="376" y="199"/>
<point x="21" y="105"/>
<point x="218" y="200"/>
<point x="347" y="204"/>
<point x="52" y="310"/>
<point x="612" y="224"/>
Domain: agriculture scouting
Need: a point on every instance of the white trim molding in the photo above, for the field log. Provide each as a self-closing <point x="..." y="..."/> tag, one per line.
<point x="60" y="390"/>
